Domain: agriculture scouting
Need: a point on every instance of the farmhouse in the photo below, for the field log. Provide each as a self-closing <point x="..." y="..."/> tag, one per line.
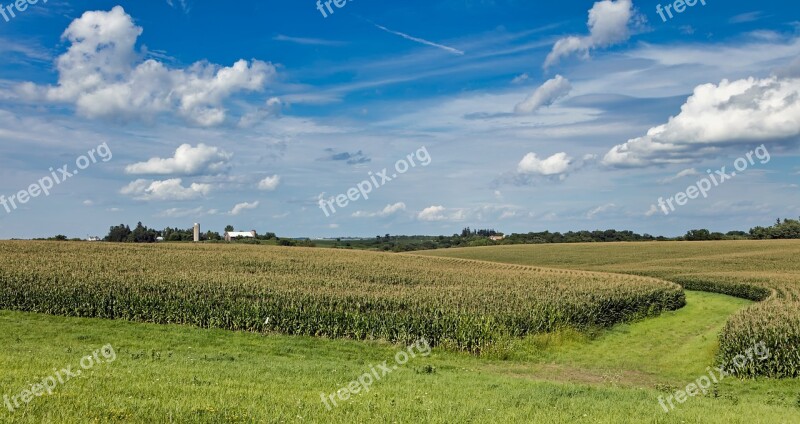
<point x="496" y="238"/>
<point x="232" y="235"/>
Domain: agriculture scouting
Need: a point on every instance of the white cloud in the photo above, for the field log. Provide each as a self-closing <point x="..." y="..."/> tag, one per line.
<point x="600" y="209"/>
<point x="387" y="211"/>
<point x="440" y="213"/>
<point x="557" y="165"/>
<point x="103" y="75"/>
<point x="241" y="207"/>
<point x="682" y="174"/>
<point x="88" y="203"/>
<point x="733" y="112"/>
<point x="608" y="25"/>
<point x="432" y="213"/>
<point x="545" y="95"/>
<point x="269" y="183"/>
<point x="187" y="160"/>
<point x="271" y="109"/>
<point x="519" y="79"/>
<point x="164" y="190"/>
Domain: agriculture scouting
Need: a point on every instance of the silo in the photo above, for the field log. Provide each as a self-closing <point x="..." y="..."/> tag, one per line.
<point x="196" y="232"/>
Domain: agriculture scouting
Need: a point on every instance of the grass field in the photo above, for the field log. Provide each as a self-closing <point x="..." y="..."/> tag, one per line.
<point x="172" y="373"/>
<point x="184" y="373"/>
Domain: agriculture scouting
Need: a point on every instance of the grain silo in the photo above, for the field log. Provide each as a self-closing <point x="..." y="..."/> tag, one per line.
<point x="196" y="232"/>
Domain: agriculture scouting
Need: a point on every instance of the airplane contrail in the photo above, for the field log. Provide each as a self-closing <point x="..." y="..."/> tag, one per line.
<point x="420" y="40"/>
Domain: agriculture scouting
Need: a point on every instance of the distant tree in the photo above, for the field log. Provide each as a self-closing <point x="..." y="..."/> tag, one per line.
<point x="698" y="235"/>
<point x="229" y="228"/>
<point x="142" y="234"/>
<point x="118" y="234"/>
<point x="786" y="229"/>
<point x="60" y="237"/>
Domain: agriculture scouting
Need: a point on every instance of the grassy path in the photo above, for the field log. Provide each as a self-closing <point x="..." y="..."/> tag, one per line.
<point x="670" y="348"/>
<point x="182" y="374"/>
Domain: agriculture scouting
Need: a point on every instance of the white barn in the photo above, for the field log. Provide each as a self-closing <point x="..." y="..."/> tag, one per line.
<point x="232" y="235"/>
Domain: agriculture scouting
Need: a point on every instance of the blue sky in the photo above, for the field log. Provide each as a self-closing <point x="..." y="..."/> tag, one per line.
<point x="519" y="116"/>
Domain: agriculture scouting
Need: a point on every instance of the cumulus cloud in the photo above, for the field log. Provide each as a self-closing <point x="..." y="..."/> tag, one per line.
<point x="545" y="95"/>
<point x="440" y="213"/>
<point x="164" y="190"/>
<point x="557" y="165"/>
<point x="241" y="207"/>
<point x="269" y="183"/>
<point x="716" y="116"/>
<point x="187" y="160"/>
<point x="271" y="109"/>
<point x="609" y="24"/>
<point x="387" y="211"/>
<point x="104" y="76"/>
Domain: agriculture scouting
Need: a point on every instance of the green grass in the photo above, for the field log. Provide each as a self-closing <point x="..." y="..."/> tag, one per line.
<point x="651" y="349"/>
<point x="182" y="374"/>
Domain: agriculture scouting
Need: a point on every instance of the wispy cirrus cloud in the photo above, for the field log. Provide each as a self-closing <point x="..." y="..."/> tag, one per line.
<point x="308" y="41"/>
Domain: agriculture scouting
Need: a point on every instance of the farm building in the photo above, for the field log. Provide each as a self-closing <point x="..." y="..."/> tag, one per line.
<point x="231" y="235"/>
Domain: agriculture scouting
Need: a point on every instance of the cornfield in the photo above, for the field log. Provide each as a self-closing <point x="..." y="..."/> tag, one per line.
<point x="461" y="304"/>
<point x="764" y="271"/>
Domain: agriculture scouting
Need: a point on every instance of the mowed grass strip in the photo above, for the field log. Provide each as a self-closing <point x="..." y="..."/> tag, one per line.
<point x="181" y="374"/>
<point x="766" y="271"/>
<point x="459" y="304"/>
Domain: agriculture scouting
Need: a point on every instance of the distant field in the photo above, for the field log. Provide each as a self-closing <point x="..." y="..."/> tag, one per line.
<point x="757" y="270"/>
<point x="465" y="305"/>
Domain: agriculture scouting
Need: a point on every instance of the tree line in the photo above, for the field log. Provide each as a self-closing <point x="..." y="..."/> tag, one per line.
<point x="782" y="229"/>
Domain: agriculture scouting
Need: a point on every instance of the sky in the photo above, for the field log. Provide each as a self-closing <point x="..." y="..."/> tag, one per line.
<point x="412" y="117"/>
